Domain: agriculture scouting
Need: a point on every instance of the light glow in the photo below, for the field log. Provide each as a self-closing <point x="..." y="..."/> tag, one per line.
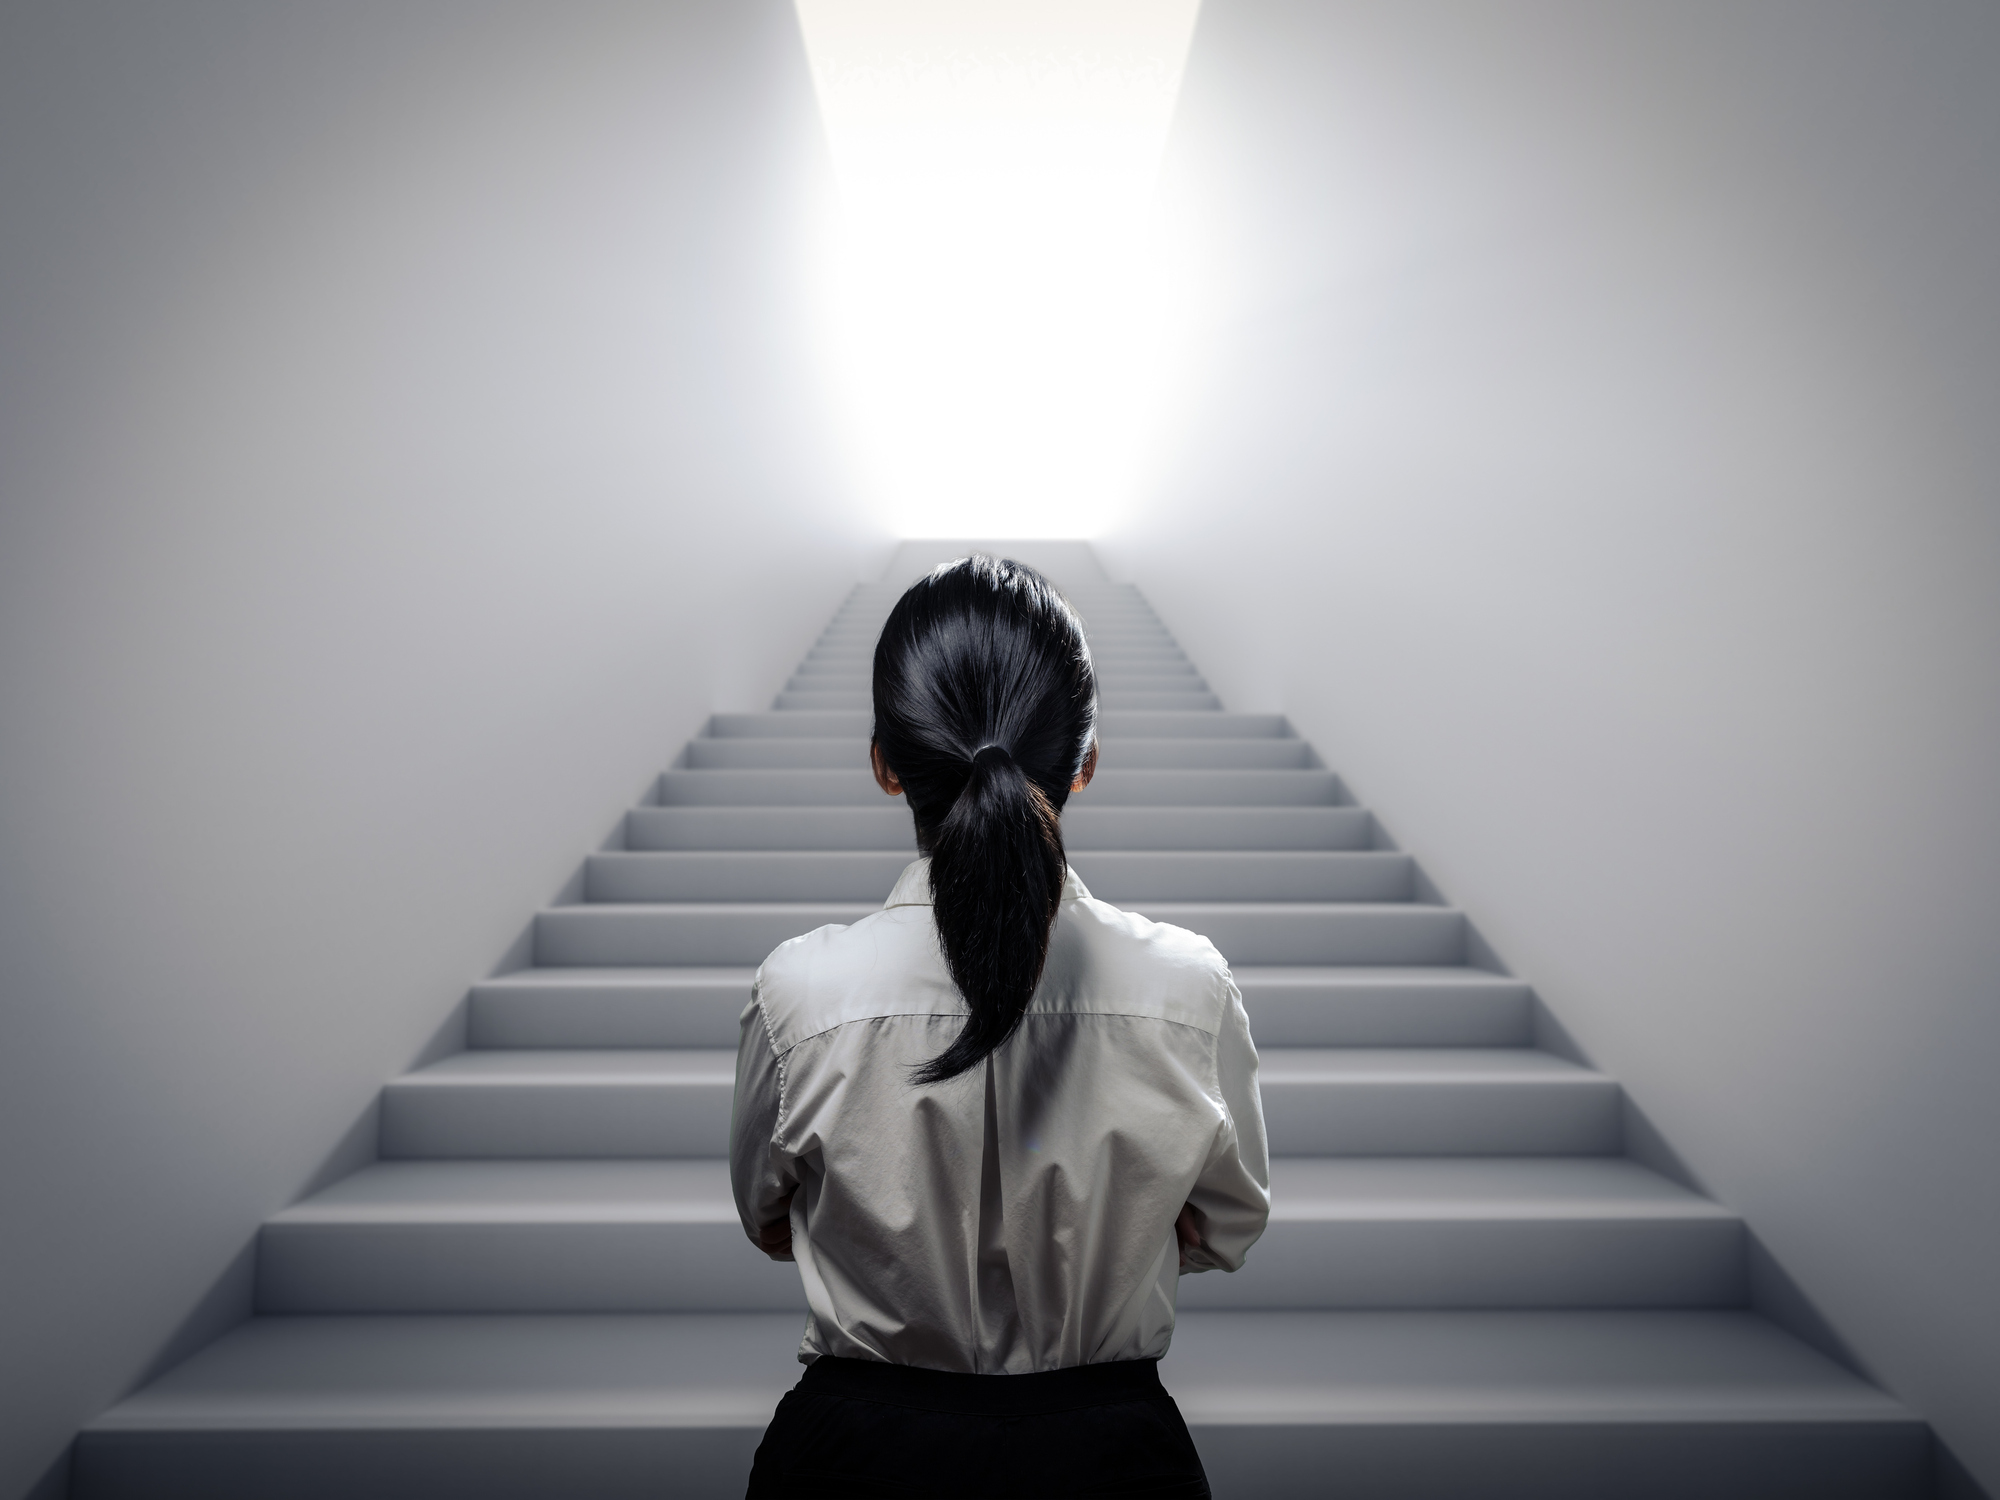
<point x="997" y="288"/>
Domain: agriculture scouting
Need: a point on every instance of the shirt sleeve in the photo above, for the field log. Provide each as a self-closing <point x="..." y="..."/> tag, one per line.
<point x="1232" y="1197"/>
<point x="759" y="1170"/>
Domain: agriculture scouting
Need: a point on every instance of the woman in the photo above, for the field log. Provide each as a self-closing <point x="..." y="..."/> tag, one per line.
<point x="994" y="1121"/>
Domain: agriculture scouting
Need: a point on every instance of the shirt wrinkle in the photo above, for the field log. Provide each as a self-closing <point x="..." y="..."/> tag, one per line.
<point x="1090" y="1131"/>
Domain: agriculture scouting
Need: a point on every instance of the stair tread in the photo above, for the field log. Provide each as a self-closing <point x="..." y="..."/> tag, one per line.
<point x="685" y="1190"/>
<point x="1523" y="1065"/>
<point x="1263" y="974"/>
<point x="1173" y="911"/>
<point x="1311" y="1366"/>
<point x="1414" y="976"/>
<point x="688" y="975"/>
<point x="1333" y="1065"/>
<point x="728" y="1369"/>
<point x="1161" y="911"/>
<point x="1304" y="1189"/>
<point x="476" y="1370"/>
<point x="1478" y="1187"/>
<point x="827" y="911"/>
<point x="580" y="1065"/>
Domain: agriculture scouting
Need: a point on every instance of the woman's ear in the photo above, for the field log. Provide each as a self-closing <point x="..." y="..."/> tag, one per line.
<point x="884" y="777"/>
<point x="1089" y="769"/>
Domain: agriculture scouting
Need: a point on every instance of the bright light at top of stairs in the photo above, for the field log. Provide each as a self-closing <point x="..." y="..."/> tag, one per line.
<point x="998" y="286"/>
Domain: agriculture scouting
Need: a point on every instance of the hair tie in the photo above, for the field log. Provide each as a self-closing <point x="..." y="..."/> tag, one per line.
<point x="990" y="755"/>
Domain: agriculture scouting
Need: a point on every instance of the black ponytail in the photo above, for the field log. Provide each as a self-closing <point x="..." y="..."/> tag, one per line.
<point x="985" y="706"/>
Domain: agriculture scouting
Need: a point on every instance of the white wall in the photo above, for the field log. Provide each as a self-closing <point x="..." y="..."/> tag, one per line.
<point x="1591" y="444"/>
<point x="406" y="437"/>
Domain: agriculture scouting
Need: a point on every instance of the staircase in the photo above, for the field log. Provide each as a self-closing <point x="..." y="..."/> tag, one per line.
<point x="1466" y="1290"/>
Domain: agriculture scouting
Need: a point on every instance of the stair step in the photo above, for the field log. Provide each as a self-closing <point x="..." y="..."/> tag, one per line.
<point x="1295" y="1007"/>
<point x="1132" y="752"/>
<point x="1368" y="1007"/>
<point x="1118" y="876"/>
<point x="846" y="724"/>
<point x="566" y="1103"/>
<point x="1119" y="698"/>
<point x="704" y="933"/>
<point x="886" y="825"/>
<point x="1534" y="1405"/>
<point x="1158" y="752"/>
<point x="1116" y="680"/>
<point x="545" y="1103"/>
<point x="1438" y="1233"/>
<point x="511" y="1236"/>
<point x="858" y="723"/>
<point x="609" y="1008"/>
<point x="451" y="1408"/>
<point x="743" y="875"/>
<point x="1113" y="787"/>
<point x="719" y="933"/>
<point x="1185" y="724"/>
<point x="854" y="674"/>
<point x="604" y="1236"/>
<point x="1496" y="1405"/>
<point x="1338" y="1101"/>
<point x="1109" y="697"/>
<point x="791" y="700"/>
<point x="1247" y="932"/>
<point x="772" y="752"/>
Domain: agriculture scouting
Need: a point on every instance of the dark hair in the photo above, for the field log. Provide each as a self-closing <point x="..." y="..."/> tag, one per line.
<point x="985" y="706"/>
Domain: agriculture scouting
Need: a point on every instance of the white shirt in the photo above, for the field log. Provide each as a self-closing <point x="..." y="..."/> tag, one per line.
<point x="1019" y="1217"/>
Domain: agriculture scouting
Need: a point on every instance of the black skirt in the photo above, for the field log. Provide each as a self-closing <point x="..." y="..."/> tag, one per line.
<point x="856" y="1427"/>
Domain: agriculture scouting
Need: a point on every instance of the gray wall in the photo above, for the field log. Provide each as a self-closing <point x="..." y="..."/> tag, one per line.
<point x="1591" y="444"/>
<point x="407" y="436"/>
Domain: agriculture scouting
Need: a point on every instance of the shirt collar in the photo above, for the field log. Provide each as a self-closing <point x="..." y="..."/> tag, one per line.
<point x="913" y="887"/>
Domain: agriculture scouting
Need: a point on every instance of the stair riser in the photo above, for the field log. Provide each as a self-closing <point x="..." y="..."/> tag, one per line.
<point x="775" y="754"/>
<point x="1117" y="877"/>
<point x="1385" y="936"/>
<point x="1510" y="1263"/>
<point x="1137" y="753"/>
<point x="1130" y="753"/>
<point x="1151" y="723"/>
<point x="1115" y="698"/>
<point x="1111" y="681"/>
<point x="440" y="1461"/>
<point x="563" y="1015"/>
<point x="1405" y="1117"/>
<point x="1537" y="1459"/>
<point x="723" y="876"/>
<point x="1376" y="1459"/>
<point x="647" y="937"/>
<point x="1169" y="724"/>
<point x="887" y="825"/>
<point x="1111" y="698"/>
<point x="519" y="1267"/>
<point x="1432" y="1015"/>
<point x="425" y="1118"/>
<point x="859" y="665"/>
<point x="539" y="1121"/>
<point x="651" y="937"/>
<point x="708" y="1267"/>
<point x="847" y="725"/>
<point x="597" y="1016"/>
<point x="1112" y="788"/>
